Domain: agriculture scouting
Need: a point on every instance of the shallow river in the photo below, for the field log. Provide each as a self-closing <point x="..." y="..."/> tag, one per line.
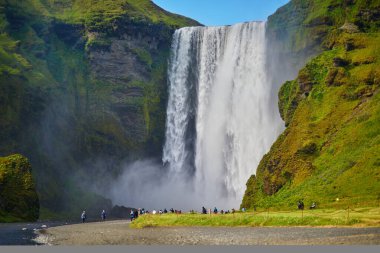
<point x="22" y="233"/>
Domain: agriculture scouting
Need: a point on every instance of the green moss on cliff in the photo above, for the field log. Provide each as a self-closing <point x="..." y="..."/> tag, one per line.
<point x="105" y="15"/>
<point x="304" y="24"/>
<point x="74" y="112"/>
<point x="18" y="196"/>
<point x="11" y="63"/>
<point x="330" y="148"/>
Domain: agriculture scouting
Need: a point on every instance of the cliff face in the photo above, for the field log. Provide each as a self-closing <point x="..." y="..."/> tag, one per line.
<point x="329" y="149"/>
<point x="83" y="88"/>
<point x="18" y="196"/>
<point x="300" y="29"/>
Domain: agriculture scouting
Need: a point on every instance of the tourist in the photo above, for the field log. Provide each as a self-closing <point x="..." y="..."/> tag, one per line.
<point x="165" y="211"/>
<point x="132" y="215"/>
<point x="215" y="210"/>
<point x="300" y="205"/>
<point x="103" y="215"/>
<point x="136" y="214"/>
<point x="154" y="211"/>
<point x="204" y="210"/>
<point x="83" y="216"/>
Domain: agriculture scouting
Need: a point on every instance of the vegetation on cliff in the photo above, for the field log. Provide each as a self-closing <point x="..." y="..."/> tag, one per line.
<point x="328" y="153"/>
<point x="303" y="25"/>
<point x="18" y="196"/>
<point x="82" y="88"/>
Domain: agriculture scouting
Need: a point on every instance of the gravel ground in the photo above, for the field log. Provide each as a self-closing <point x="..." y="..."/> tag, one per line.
<point x="119" y="233"/>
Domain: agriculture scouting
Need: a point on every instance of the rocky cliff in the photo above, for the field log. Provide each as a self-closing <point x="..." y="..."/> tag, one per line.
<point x="18" y="196"/>
<point x="83" y="88"/>
<point x="329" y="151"/>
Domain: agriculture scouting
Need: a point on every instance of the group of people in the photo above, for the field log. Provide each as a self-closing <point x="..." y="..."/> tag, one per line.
<point x="103" y="216"/>
<point x="205" y="211"/>
<point x="134" y="214"/>
<point x="301" y="205"/>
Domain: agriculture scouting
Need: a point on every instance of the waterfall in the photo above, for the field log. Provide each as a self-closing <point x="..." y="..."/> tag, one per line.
<point x="221" y="115"/>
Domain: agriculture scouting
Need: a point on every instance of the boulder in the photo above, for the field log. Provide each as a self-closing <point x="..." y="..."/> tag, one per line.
<point x="18" y="197"/>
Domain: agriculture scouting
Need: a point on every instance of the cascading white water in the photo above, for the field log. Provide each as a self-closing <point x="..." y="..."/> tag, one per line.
<point x="220" y="116"/>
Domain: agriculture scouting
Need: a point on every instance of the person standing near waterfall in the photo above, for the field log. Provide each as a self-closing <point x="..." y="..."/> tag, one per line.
<point x="83" y="216"/>
<point x="103" y="215"/>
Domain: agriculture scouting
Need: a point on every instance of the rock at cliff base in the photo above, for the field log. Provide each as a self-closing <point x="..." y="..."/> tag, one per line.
<point x="18" y="197"/>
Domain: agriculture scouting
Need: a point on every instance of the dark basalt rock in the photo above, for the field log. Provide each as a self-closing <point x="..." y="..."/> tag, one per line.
<point x="340" y="62"/>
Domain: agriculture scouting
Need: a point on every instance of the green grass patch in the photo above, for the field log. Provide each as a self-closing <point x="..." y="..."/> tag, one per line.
<point x="368" y="216"/>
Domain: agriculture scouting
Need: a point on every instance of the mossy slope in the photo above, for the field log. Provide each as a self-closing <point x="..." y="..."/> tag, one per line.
<point x="330" y="148"/>
<point x="18" y="196"/>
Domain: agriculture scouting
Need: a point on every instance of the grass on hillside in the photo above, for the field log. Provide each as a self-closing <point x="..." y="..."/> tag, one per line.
<point x="99" y="14"/>
<point x="330" y="148"/>
<point x="368" y="216"/>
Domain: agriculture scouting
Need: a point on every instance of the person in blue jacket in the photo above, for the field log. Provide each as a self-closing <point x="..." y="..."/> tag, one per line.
<point x="103" y="215"/>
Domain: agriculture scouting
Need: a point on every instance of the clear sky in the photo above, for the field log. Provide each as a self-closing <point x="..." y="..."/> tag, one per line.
<point x="222" y="12"/>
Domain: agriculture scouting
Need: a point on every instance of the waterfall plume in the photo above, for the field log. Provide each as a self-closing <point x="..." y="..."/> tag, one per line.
<point x="221" y="115"/>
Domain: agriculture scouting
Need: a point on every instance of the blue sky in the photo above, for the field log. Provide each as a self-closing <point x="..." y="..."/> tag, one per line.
<point x="222" y="12"/>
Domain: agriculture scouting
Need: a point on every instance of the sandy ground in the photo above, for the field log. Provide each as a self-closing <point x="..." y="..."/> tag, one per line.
<point x="119" y="233"/>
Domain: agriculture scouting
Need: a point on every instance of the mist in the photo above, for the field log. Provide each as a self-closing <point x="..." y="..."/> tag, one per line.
<point x="148" y="184"/>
